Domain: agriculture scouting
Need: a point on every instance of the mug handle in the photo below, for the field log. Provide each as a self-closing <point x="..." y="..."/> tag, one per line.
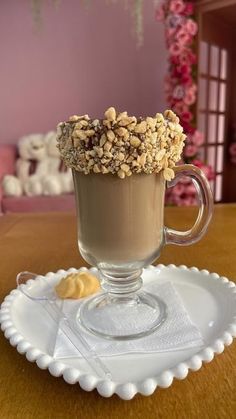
<point x="185" y="238"/>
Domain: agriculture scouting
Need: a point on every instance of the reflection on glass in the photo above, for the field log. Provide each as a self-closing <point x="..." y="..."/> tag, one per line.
<point x="222" y="97"/>
<point x="212" y="185"/>
<point x="223" y="68"/>
<point x="221" y="128"/>
<point x="212" y="128"/>
<point x="213" y="96"/>
<point x="218" y="191"/>
<point x="211" y="156"/>
<point x="214" y="61"/>
<point x="220" y="158"/>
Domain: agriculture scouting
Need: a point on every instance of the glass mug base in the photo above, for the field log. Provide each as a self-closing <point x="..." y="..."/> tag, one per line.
<point x="122" y="316"/>
<point x="120" y="231"/>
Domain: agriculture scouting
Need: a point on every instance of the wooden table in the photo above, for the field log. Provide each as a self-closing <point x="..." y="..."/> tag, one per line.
<point x="47" y="242"/>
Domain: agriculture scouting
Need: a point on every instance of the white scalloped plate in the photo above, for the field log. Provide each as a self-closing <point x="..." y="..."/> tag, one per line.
<point x="209" y="299"/>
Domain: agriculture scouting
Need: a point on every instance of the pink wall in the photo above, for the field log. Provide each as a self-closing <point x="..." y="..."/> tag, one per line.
<point x="82" y="61"/>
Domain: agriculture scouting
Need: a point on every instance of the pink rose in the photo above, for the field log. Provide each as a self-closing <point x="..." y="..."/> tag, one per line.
<point x="177" y="6"/>
<point x="174" y="49"/>
<point x="193" y="87"/>
<point x="208" y="172"/>
<point x="187" y="57"/>
<point x="180" y="108"/>
<point x="187" y="117"/>
<point x="189" y="98"/>
<point x="186" y="78"/>
<point x="205" y="168"/>
<point x="197" y="138"/>
<point x="191" y="190"/>
<point x="191" y="27"/>
<point x="188" y="9"/>
<point x="190" y="150"/>
<point x="178" y="189"/>
<point x="183" y="37"/>
<point x="183" y="69"/>
<point x="188" y="129"/>
<point x="232" y="149"/>
<point x="170" y="32"/>
<point x="174" y="60"/>
<point x="197" y="163"/>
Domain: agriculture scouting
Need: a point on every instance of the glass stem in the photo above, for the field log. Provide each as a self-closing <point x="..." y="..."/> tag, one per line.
<point x="121" y="285"/>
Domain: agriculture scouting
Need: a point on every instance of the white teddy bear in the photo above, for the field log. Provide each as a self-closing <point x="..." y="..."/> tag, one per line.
<point x="58" y="181"/>
<point x="32" y="152"/>
<point x="38" y="168"/>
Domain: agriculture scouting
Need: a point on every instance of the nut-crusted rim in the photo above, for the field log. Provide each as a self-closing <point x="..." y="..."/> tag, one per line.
<point x="122" y="144"/>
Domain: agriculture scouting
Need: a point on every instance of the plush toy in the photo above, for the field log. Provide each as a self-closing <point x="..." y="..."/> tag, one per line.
<point x="12" y="186"/>
<point x="38" y="169"/>
<point x="59" y="179"/>
<point x="30" y="164"/>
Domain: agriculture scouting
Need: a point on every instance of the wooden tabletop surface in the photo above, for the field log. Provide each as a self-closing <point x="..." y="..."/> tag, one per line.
<point x="47" y="242"/>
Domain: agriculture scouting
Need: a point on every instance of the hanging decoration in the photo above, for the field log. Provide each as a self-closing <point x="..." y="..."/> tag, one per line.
<point x="135" y="6"/>
<point x="181" y="89"/>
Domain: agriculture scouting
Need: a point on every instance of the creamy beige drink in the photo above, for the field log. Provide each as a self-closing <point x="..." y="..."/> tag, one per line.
<point x="119" y="220"/>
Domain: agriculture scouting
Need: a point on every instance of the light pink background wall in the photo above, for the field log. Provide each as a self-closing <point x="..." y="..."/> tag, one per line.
<point x="82" y="61"/>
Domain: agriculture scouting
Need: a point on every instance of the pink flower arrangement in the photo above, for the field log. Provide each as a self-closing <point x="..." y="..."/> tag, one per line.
<point x="181" y="89"/>
<point x="190" y="27"/>
<point x="190" y="150"/>
<point x="177" y="6"/>
<point x="205" y="168"/>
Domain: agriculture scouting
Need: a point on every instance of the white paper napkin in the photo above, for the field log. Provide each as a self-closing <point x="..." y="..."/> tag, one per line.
<point x="176" y="333"/>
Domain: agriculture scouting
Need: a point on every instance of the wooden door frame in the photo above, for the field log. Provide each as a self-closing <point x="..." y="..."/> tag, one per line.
<point x="204" y="7"/>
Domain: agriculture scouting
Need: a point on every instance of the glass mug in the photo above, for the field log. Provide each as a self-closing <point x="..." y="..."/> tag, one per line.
<point x="120" y="231"/>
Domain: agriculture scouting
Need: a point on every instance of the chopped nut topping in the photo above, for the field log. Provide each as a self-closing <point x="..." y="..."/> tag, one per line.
<point x="110" y="114"/>
<point x="121" y="144"/>
<point x="107" y="146"/>
<point x="78" y="133"/>
<point x="110" y="135"/>
<point x="121" y="156"/>
<point x="125" y="121"/>
<point x="169" y="174"/>
<point x="103" y="139"/>
<point x="96" y="169"/>
<point x="125" y="167"/>
<point x="121" y="131"/>
<point x="89" y="133"/>
<point x="121" y="116"/>
<point x="135" y="141"/>
<point x="74" y="118"/>
<point x="141" y="127"/>
<point x="121" y="174"/>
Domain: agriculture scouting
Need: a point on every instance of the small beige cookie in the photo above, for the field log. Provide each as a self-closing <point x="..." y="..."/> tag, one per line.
<point x="77" y="285"/>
